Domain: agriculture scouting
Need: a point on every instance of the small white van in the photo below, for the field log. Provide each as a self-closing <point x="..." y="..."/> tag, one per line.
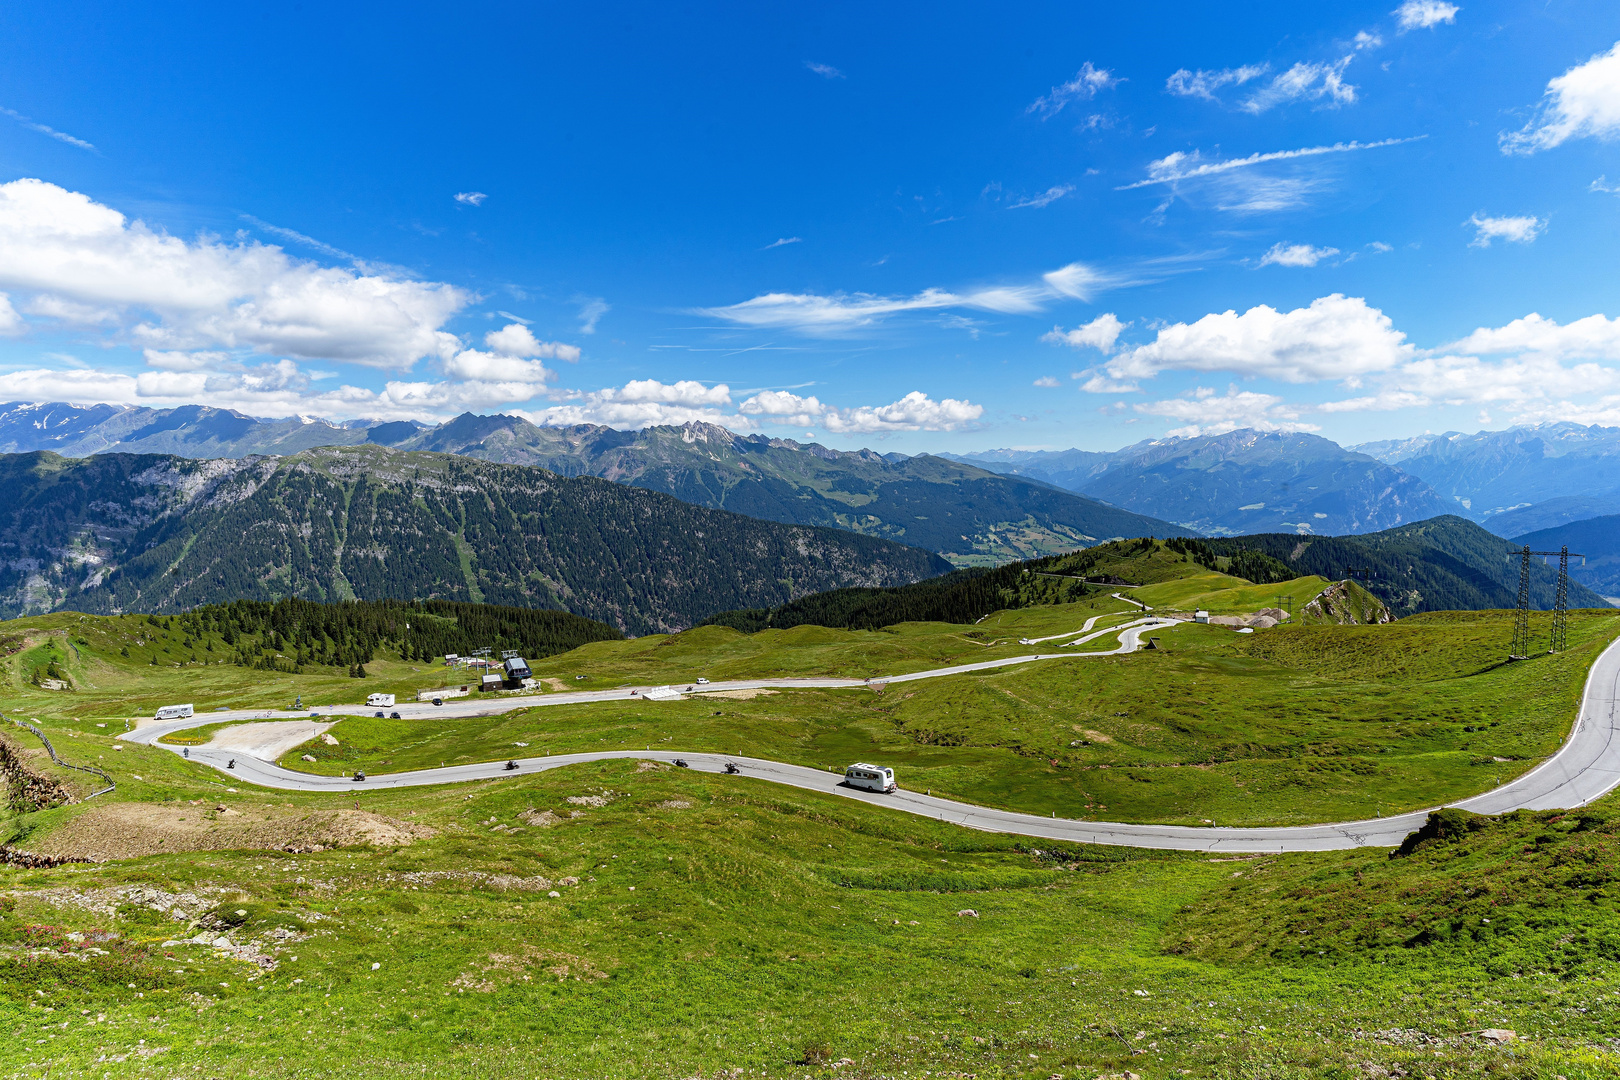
<point x="174" y="712"/>
<point x="870" y="777"/>
<point x="383" y="701"/>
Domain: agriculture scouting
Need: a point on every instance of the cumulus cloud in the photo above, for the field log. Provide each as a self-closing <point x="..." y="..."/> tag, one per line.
<point x="1515" y="230"/>
<point x="1593" y="336"/>
<point x="1583" y="101"/>
<point x="517" y="339"/>
<point x="1296" y="255"/>
<point x="1047" y="382"/>
<point x="11" y="323"/>
<point x="1204" y="412"/>
<point x="1085" y="85"/>
<point x="1203" y="84"/>
<point x="1336" y="337"/>
<point x="1100" y="333"/>
<point x="471" y="198"/>
<point x="1423" y="14"/>
<point x="63" y="249"/>
<point x="914" y="412"/>
<point x="1320" y="82"/>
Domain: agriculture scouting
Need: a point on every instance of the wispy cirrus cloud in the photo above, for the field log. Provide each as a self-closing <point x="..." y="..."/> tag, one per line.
<point x="1305" y="81"/>
<point x="826" y="71"/>
<point x="1183" y="165"/>
<point x="1085" y="85"/>
<point x="299" y="238"/>
<point x="471" y="198"/>
<point x="783" y="241"/>
<point x="1045" y="198"/>
<point x="1203" y="84"/>
<point x="1206" y="412"/>
<point x="44" y="129"/>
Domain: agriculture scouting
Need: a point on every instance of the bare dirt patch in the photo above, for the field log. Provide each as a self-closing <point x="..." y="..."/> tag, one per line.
<point x="553" y="684"/>
<point x="128" y="830"/>
<point x="505" y="968"/>
<point x="267" y="741"/>
<point x="742" y="695"/>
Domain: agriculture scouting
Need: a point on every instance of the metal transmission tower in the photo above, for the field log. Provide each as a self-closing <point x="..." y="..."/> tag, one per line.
<point x="1520" y="649"/>
<point x="1521" y="619"/>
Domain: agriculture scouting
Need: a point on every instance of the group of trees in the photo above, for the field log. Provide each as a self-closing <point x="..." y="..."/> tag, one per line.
<point x="290" y="634"/>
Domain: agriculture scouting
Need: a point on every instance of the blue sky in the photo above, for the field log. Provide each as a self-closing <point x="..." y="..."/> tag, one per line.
<point x="916" y="227"/>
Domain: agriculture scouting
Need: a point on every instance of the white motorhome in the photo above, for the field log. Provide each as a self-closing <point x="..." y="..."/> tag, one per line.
<point x="174" y="712"/>
<point x="870" y="777"/>
<point x="383" y="701"/>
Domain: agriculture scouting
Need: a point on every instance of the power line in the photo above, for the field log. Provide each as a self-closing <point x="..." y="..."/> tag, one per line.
<point x="1520" y="649"/>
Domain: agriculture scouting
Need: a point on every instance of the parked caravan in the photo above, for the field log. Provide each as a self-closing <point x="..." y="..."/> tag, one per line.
<point x="174" y="712"/>
<point x="385" y="701"/>
<point x="870" y="777"/>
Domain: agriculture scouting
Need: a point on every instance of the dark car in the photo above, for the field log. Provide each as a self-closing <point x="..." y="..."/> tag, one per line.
<point x="438" y="701"/>
<point x="379" y="714"/>
<point x="393" y="716"/>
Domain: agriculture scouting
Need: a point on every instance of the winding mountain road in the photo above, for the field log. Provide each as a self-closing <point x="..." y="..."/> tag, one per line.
<point x="1585" y="767"/>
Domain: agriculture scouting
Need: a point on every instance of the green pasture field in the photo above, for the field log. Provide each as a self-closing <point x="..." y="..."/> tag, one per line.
<point x="706" y="924"/>
<point x="1288" y="726"/>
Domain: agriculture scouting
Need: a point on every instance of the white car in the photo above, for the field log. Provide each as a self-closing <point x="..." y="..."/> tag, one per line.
<point x="703" y="682"/>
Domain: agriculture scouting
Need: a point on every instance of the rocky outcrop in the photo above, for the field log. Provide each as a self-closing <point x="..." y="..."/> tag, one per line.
<point x="1346" y="604"/>
<point x="26" y="788"/>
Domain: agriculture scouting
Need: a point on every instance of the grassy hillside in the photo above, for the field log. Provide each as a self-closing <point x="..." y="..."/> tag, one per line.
<point x="622" y="919"/>
<point x="150" y="533"/>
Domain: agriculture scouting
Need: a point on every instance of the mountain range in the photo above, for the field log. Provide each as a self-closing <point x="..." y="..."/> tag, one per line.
<point x="971" y="515"/>
<point x="148" y="532"/>
<point x="1239" y="482"/>
<point x="978" y="509"/>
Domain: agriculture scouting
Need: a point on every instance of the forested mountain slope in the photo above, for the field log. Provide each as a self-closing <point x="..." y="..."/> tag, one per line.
<point x="122" y="532"/>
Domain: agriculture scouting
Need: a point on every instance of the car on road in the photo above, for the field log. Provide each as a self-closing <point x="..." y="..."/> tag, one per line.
<point x="379" y="714"/>
<point x="703" y="682"/>
<point x="438" y="701"/>
<point x="393" y="716"/>
<point x="870" y="777"/>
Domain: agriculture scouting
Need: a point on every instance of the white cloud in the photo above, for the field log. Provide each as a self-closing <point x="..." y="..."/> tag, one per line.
<point x="471" y="198"/>
<point x="1366" y="39"/>
<point x="1082" y="282"/>
<point x="1099" y="333"/>
<point x="1296" y="255"/>
<point x="1206" y="413"/>
<point x="1181" y="165"/>
<point x="1083" y="87"/>
<point x="841" y="312"/>
<point x="591" y="310"/>
<point x="826" y="71"/>
<point x="1203" y="84"/>
<point x="184" y="361"/>
<point x="1304" y="82"/>
<point x="1379" y="247"/>
<point x="65" y="249"/>
<point x="69" y="311"/>
<point x="1099" y="383"/>
<point x="517" y="339"/>
<point x="1337" y="337"/>
<point x="1386" y="401"/>
<point x="1045" y="198"/>
<point x="1583" y="101"/>
<point x="59" y="136"/>
<point x="474" y="365"/>
<point x="783" y="242"/>
<point x="1602" y="184"/>
<point x="914" y="412"/>
<point x="1516" y="230"/>
<point x="11" y="323"/>
<point x="1047" y="382"/>
<point x="1423" y="14"/>
<point x="299" y="238"/>
<point x="1593" y="336"/>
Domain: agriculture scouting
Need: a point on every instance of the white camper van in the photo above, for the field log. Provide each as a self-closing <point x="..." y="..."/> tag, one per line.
<point x="174" y="712"/>
<point x="870" y="777"/>
<point x="380" y="701"/>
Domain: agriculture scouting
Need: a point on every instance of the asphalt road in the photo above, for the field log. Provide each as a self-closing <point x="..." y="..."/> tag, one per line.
<point x="1588" y="765"/>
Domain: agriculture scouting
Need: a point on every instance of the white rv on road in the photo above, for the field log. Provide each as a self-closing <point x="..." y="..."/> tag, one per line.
<point x="870" y="777"/>
<point x="174" y="712"/>
<point x="385" y="701"/>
